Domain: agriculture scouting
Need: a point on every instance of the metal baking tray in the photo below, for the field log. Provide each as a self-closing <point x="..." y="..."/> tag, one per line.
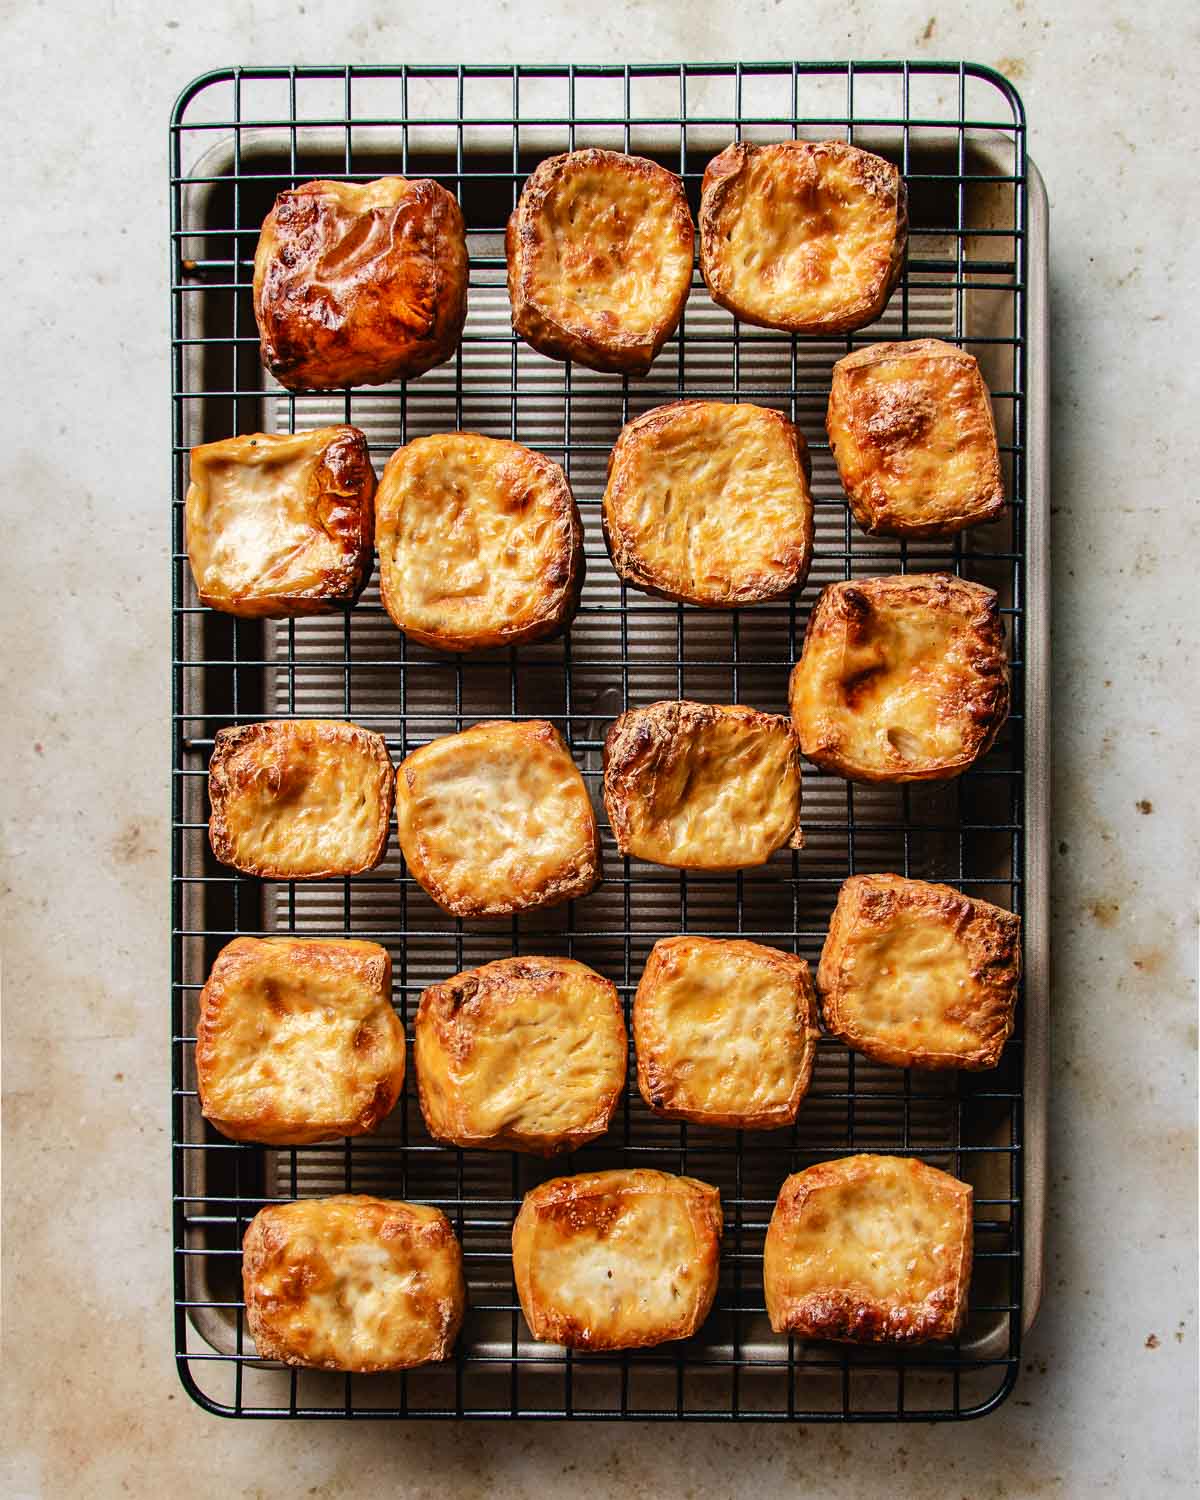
<point x="976" y="275"/>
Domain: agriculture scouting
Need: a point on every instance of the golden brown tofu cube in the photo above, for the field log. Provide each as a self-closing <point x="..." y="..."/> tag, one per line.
<point x="299" y="799"/>
<point x="360" y="283"/>
<point x="708" y="503"/>
<point x="801" y="235"/>
<point x="871" y="1250"/>
<point x="353" y="1283"/>
<point x="480" y="543"/>
<point x="280" y="524"/>
<point x="726" y="1032"/>
<point x="496" y="820"/>
<point x="913" y="435"/>
<point x="524" y="1054"/>
<point x="599" y="252"/>
<point x="918" y="975"/>
<point x="617" y="1260"/>
<point x="297" y="1040"/>
<point x="902" y="678"/>
<point x="700" y="786"/>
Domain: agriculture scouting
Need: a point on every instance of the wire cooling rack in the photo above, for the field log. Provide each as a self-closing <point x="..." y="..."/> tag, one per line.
<point x="237" y="137"/>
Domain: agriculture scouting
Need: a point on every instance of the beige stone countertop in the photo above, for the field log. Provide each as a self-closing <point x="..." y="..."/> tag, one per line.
<point x="1107" y="1401"/>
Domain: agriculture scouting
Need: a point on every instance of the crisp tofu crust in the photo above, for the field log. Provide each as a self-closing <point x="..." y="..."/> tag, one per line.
<point x="299" y="799"/>
<point x="708" y="503"/>
<point x="869" y="1250"/>
<point x="297" y="1040"/>
<point x="726" y="1032"/>
<point x="599" y="251"/>
<point x="279" y="524"/>
<point x="702" y="787"/>
<point x="914" y="439"/>
<point x="524" y="1054"/>
<point x="480" y="543"/>
<point x="353" y="1283"/>
<point x="357" y="284"/>
<point x="496" y="820"/>
<point x="918" y="975"/>
<point x="902" y="678"/>
<point x="803" y="236"/>
<point x="617" y="1260"/>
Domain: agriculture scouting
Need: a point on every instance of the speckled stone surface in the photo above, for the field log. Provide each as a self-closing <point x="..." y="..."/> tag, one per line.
<point x="1107" y="1403"/>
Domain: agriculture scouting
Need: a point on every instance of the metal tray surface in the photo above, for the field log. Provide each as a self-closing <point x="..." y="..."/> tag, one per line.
<point x="976" y="275"/>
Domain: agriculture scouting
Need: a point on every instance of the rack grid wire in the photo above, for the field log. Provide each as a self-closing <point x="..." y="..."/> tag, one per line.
<point x="237" y="137"/>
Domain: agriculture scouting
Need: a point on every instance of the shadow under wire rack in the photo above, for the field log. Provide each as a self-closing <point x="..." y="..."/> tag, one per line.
<point x="239" y="136"/>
